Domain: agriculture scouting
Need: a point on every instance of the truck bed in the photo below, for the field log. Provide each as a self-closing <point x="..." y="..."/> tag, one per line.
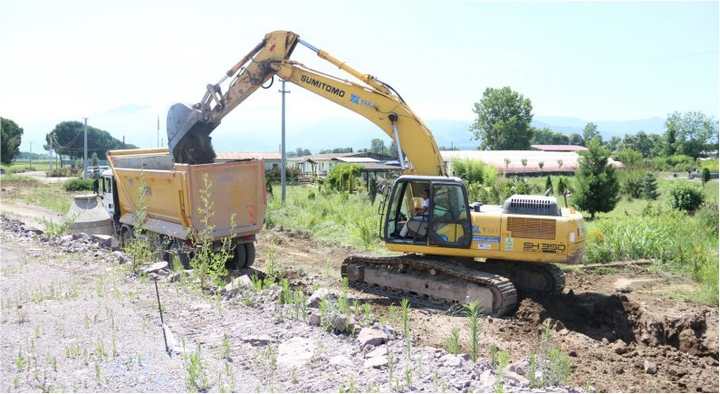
<point x="175" y="195"/>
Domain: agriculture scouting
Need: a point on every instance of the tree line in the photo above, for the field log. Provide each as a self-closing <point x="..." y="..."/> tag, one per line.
<point x="503" y="121"/>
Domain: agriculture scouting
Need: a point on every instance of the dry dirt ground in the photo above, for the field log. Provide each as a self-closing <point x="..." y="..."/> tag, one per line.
<point x="80" y="322"/>
<point x="623" y="330"/>
<point x="74" y="319"/>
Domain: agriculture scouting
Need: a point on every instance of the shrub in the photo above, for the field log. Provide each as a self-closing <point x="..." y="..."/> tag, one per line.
<point x="686" y="198"/>
<point x="77" y="184"/>
<point x="631" y="183"/>
<point x="629" y="157"/>
<point x="708" y="216"/>
<point x="705" y="175"/>
<point x="649" y="187"/>
<point x="474" y="171"/>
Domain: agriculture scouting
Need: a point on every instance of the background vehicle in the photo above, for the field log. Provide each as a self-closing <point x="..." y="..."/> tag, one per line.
<point x="146" y="182"/>
<point x="455" y="250"/>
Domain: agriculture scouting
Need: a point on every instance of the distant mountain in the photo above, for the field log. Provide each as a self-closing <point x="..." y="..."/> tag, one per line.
<point x="138" y="124"/>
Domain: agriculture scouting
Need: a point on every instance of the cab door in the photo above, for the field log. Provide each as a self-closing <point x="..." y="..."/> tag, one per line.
<point x="450" y="223"/>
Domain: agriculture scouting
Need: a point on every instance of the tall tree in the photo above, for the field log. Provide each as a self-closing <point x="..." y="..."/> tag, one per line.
<point x="67" y="139"/>
<point x="10" y="139"/>
<point x="576" y="139"/>
<point x="503" y="120"/>
<point x="597" y="187"/>
<point x="590" y="131"/>
<point x="690" y="133"/>
<point x="377" y="146"/>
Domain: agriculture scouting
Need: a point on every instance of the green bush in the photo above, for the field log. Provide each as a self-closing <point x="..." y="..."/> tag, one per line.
<point x="705" y="175"/>
<point x="686" y="198"/>
<point x="77" y="184"/>
<point x="474" y="171"/>
<point x="629" y="157"/>
<point x="631" y="183"/>
<point x="708" y="216"/>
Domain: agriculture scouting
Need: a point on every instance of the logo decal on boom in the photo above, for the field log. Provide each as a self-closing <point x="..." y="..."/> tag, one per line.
<point x="322" y="85"/>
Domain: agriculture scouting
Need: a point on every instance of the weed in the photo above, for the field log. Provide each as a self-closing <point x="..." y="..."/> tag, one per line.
<point x="532" y="371"/>
<point x="558" y="367"/>
<point x="325" y="314"/>
<point x="20" y="361"/>
<point x="258" y="284"/>
<point x="501" y="360"/>
<point x="349" y="387"/>
<point x="452" y="343"/>
<point x="473" y="313"/>
<point x="100" y="350"/>
<point x="56" y="229"/>
<point x="405" y="316"/>
<point x="98" y="373"/>
<point x="343" y="303"/>
<point x="208" y="261"/>
<point x="300" y="305"/>
<point x="367" y="314"/>
<point x="285" y="292"/>
<point x="195" y="376"/>
<point x="226" y="348"/>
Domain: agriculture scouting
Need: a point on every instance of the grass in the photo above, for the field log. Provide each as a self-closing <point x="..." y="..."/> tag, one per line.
<point x="337" y="217"/>
<point x="676" y="242"/>
<point x="31" y="191"/>
<point x="37" y="165"/>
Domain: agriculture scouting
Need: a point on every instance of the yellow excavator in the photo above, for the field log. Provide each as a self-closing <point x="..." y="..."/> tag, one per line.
<point x="452" y="250"/>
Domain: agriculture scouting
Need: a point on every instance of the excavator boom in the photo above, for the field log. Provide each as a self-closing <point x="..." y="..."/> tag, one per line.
<point x="189" y="128"/>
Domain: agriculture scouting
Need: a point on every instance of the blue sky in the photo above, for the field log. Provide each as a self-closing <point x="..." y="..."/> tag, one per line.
<point x="123" y="63"/>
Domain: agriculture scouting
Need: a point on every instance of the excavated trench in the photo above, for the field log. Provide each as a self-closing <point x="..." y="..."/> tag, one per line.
<point x="616" y="317"/>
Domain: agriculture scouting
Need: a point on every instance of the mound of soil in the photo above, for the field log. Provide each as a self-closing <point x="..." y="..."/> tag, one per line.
<point x="613" y="317"/>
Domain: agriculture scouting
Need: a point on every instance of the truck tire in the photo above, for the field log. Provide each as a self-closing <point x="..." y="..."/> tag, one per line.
<point x="250" y="253"/>
<point x="243" y="257"/>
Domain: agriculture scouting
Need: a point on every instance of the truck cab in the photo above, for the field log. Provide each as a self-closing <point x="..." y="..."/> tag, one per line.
<point x="106" y="188"/>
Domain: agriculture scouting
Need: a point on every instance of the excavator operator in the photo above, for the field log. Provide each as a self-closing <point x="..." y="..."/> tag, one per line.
<point x="417" y="225"/>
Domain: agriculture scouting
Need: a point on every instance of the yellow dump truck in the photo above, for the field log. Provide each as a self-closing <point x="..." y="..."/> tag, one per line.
<point x="175" y="201"/>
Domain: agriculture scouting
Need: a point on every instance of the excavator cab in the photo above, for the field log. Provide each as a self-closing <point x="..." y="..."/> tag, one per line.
<point x="429" y="211"/>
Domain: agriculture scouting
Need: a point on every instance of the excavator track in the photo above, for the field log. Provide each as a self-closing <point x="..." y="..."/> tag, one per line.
<point x="530" y="279"/>
<point x="449" y="281"/>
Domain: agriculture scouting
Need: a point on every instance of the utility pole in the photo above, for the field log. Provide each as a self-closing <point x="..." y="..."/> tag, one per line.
<point x="85" y="150"/>
<point x="30" y="156"/>
<point x="282" y="145"/>
<point x="158" y="131"/>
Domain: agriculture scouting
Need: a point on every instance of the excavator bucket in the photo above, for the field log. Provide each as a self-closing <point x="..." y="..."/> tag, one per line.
<point x="189" y="135"/>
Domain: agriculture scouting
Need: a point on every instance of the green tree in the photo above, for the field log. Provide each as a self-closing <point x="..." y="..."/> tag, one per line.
<point x="613" y="144"/>
<point x="563" y="189"/>
<point x="549" y="186"/>
<point x="649" y="186"/>
<point x="690" y="133"/>
<point x="597" y="187"/>
<point x="629" y="157"/>
<point x="67" y="139"/>
<point x="641" y="142"/>
<point x="590" y="131"/>
<point x="576" y="139"/>
<point x="546" y="136"/>
<point x="377" y="146"/>
<point x="503" y="120"/>
<point x="10" y="139"/>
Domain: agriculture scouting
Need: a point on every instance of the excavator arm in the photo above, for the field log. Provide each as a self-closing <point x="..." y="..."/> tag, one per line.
<point x="189" y="128"/>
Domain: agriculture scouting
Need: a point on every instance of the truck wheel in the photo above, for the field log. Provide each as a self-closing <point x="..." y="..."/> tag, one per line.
<point x="243" y="258"/>
<point x="250" y="252"/>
